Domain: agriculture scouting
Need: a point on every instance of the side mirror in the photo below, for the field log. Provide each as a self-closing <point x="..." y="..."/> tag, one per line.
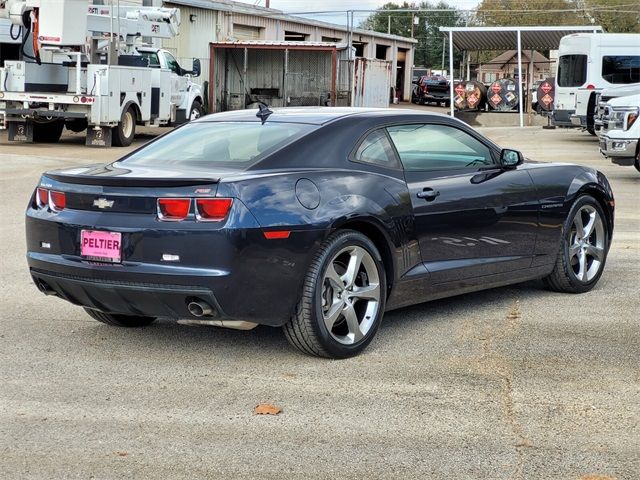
<point x="196" y="67"/>
<point x="511" y="158"/>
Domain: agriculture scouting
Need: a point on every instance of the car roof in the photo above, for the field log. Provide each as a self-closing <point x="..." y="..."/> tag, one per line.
<point x="313" y="115"/>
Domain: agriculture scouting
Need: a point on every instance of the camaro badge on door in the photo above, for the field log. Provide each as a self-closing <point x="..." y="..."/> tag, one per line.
<point x="103" y="203"/>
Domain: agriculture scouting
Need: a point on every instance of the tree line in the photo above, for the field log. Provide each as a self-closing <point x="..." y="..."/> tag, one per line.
<point x="615" y="16"/>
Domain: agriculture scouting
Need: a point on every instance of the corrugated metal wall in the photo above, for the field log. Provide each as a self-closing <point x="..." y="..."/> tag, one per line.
<point x="308" y="78"/>
<point x="371" y="82"/>
<point x="194" y="38"/>
<point x="305" y="80"/>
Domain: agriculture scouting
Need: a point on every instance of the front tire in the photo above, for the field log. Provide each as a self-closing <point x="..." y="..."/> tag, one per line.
<point x="583" y="248"/>
<point x="123" y="133"/>
<point x="343" y="298"/>
<point x="117" y="320"/>
<point x="196" y="111"/>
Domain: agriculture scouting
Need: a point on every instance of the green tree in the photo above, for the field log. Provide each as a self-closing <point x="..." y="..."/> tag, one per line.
<point x="428" y="51"/>
<point x="519" y="12"/>
<point x="612" y="15"/>
<point x="615" y="16"/>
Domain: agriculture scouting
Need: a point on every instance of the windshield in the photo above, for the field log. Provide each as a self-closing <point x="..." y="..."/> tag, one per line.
<point x="236" y="145"/>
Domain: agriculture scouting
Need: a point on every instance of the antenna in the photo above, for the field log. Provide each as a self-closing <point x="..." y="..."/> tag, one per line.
<point x="263" y="112"/>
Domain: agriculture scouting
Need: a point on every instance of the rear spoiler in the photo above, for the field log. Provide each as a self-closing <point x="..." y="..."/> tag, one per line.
<point x="125" y="181"/>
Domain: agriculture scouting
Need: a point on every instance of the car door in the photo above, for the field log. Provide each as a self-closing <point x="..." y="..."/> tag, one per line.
<point x="472" y="217"/>
<point x="178" y="81"/>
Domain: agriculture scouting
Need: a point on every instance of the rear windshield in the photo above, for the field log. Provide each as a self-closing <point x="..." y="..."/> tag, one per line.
<point x="572" y="70"/>
<point x="621" y="68"/>
<point x="236" y="145"/>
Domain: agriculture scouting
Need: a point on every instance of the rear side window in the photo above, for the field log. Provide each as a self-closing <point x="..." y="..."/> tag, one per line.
<point x="572" y="70"/>
<point x="376" y="149"/>
<point x="235" y="145"/>
<point x="621" y="69"/>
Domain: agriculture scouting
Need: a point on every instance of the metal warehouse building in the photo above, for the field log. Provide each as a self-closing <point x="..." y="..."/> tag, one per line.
<point x="205" y="22"/>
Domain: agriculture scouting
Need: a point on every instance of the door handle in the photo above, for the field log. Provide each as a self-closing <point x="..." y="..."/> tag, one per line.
<point x="428" y="194"/>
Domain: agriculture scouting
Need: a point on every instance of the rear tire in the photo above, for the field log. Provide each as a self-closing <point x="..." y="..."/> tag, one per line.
<point x="583" y="248"/>
<point x="637" y="162"/>
<point x="117" y="320"/>
<point x="343" y="298"/>
<point x="47" y="132"/>
<point x="122" y="134"/>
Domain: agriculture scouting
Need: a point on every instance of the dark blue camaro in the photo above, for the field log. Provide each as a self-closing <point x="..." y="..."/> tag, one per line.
<point x="317" y="221"/>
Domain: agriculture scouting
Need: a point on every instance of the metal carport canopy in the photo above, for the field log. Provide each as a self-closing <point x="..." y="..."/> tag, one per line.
<point x="505" y="38"/>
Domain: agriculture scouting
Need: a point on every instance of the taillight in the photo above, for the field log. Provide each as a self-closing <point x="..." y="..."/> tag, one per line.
<point x="212" y="209"/>
<point x="57" y="200"/>
<point x="173" y="209"/>
<point x="591" y="87"/>
<point x="42" y="197"/>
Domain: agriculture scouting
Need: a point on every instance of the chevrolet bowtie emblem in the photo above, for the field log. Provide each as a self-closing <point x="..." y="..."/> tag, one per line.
<point x="103" y="203"/>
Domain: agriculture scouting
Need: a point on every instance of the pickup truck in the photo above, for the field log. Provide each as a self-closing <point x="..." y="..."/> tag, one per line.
<point x="620" y="133"/>
<point x="432" y="89"/>
<point x="607" y="94"/>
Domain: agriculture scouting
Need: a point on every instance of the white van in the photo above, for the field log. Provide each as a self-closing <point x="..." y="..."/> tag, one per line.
<point x="587" y="63"/>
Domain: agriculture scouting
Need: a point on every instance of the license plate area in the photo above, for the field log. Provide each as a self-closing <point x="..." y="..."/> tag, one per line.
<point x="101" y="246"/>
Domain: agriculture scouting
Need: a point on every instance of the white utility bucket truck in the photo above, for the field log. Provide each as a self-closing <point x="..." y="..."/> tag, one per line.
<point x="84" y="67"/>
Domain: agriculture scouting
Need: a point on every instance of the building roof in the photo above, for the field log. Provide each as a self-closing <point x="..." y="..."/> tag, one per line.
<point x="247" y="9"/>
<point x="280" y="44"/>
<point x="502" y="38"/>
<point x="508" y="55"/>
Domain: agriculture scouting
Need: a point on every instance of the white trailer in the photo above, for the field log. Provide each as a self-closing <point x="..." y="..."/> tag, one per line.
<point x="587" y="63"/>
<point x="85" y="70"/>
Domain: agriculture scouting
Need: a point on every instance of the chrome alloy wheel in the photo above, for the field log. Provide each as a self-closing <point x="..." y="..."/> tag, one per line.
<point x="586" y="244"/>
<point x="350" y="295"/>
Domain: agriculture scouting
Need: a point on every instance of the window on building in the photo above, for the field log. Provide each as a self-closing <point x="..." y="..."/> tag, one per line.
<point x="290" y="36"/>
<point x="621" y="68"/>
<point x="331" y="39"/>
<point x="381" y="51"/>
<point x="247" y="32"/>
<point x="359" y="46"/>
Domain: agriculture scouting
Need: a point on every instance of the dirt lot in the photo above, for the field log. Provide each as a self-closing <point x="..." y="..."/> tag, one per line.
<point x="512" y="383"/>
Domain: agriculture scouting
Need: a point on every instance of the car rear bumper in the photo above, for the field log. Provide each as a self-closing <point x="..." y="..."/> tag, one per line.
<point x="578" y="120"/>
<point x="128" y="298"/>
<point x="562" y="118"/>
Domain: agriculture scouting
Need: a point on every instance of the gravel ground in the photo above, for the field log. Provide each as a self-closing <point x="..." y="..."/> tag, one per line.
<point x="510" y="383"/>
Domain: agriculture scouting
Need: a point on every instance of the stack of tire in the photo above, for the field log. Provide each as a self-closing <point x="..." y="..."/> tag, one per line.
<point x="545" y="95"/>
<point x="470" y="96"/>
<point x="503" y="95"/>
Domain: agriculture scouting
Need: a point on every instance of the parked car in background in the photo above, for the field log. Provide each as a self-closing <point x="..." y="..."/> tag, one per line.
<point x="432" y="89"/>
<point x="620" y="133"/>
<point x="316" y="220"/>
<point x="607" y="94"/>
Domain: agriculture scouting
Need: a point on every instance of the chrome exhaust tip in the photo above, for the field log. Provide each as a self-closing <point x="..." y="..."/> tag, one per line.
<point x="199" y="309"/>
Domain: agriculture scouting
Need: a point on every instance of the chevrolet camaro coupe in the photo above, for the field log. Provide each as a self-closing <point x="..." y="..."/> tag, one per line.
<point x="316" y="220"/>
